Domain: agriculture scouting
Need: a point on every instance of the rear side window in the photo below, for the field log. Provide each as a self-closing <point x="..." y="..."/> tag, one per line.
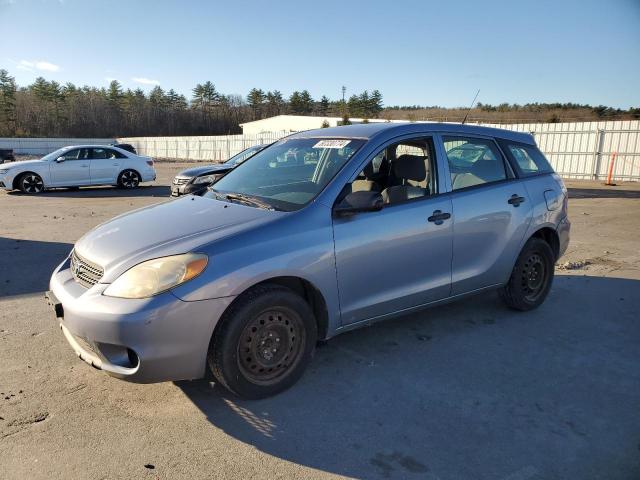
<point x="105" y="153"/>
<point x="473" y="161"/>
<point x="530" y="160"/>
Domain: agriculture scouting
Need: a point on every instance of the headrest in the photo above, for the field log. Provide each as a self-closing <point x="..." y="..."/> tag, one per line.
<point x="410" y="167"/>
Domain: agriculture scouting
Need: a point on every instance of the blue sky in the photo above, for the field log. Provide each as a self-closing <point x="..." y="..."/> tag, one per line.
<point x="414" y="52"/>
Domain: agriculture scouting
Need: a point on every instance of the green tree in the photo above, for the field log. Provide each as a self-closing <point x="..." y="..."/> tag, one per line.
<point x="7" y="104"/>
<point x="306" y="102"/>
<point x="296" y="105"/>
<point x="323" y="106"/>
<point x="256" y="99"/>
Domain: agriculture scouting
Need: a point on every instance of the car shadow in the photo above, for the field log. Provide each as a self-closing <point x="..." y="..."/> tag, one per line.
<point x="105" y="192"/>
<point x="26" y="265"/>
<point x="466" y="390"/>
<point x="609" y="192"/>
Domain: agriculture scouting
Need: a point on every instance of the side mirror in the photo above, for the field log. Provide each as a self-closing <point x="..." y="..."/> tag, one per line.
<point x="60" y="159"/>
<point x="357" y="202"/>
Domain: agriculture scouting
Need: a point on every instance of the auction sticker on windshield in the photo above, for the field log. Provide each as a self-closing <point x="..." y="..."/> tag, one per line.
<point x="332" y="144"/>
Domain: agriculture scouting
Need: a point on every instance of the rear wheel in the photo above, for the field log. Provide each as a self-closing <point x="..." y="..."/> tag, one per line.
<point x="263" y="343"/>
<point x="31" y="183"/>
<point x="532" y="276"/>
<point x="129" y="179"/>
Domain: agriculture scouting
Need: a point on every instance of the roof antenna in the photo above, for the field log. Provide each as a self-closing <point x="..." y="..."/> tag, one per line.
<point x="470" y="107"/>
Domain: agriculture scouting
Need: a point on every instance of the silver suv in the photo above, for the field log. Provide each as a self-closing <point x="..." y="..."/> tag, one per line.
<point x="320" y="233"/>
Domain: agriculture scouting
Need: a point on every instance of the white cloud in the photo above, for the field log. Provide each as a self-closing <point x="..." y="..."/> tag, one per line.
<point x="37" y="65"/>
<point x="145" y="81"/>
<point x="49" y="67"/>
<point x="110" y="79"/>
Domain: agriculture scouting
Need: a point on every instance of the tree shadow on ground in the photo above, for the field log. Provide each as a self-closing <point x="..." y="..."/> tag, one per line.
<point x="105" y="192"/>
<point x="609" y="192"/>
<point x="27" y="265"/>
<point x="466" y="390"/>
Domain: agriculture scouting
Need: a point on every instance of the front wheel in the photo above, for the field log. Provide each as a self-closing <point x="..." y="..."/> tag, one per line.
<point x="31" y="183"/>
<point x="263" y="343"/>
<point x="531" y="278"/>
<point x="129" y="179"/>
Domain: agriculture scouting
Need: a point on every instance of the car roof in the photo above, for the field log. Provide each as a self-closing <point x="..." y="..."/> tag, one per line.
<point x="92" y="146"/>
<point x="368" y="131"/>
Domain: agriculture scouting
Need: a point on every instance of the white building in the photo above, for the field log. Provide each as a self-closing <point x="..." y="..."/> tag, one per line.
<point x="296" y="123"/>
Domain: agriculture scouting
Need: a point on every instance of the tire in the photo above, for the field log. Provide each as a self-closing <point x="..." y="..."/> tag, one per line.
<point x="31" y="183"/>
<point x="263" y="343"/>
<point x="531" y="278"/>
<point x="129" y="179"/>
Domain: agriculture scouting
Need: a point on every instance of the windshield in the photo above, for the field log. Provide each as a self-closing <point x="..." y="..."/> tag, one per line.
<point x="55" y="154"/>
<point x="238" y="158"/>
<point x="288" y="174"/>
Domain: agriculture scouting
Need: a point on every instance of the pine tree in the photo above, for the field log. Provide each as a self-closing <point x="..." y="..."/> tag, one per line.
<point x="323" y="106"/>
<point x="7" y="104"/>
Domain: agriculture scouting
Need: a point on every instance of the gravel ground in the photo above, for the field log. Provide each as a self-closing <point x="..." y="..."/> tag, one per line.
<point x="468" y="390"/>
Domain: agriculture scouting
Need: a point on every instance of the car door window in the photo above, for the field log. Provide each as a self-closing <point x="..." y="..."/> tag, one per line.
<point x="400" y="172"/>
<point x="75" y="154"/>
<point x="101" y="154"/>
<point x="529" y="159"/>
<point x="473" y="161"/>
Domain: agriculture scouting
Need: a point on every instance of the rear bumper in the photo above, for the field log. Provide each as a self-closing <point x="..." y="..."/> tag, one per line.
<point x="161" y="338"/>
<point x="563" y="230"/>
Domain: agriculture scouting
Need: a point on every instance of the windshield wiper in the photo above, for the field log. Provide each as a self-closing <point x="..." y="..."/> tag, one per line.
<point x="239" y="197"/>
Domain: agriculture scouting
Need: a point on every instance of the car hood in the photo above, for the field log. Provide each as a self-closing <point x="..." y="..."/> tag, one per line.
<point x="22" y="163"/>
<point x="204" y="170"/>
<point x="170" y="228"/>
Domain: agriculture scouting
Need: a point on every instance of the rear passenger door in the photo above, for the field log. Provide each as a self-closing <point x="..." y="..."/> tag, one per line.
<point x="105" y="165"/>
<point x="491" y="212"/>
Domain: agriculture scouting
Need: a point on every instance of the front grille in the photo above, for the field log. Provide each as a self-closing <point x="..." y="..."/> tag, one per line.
<point x="85" y="272"/>
<point x="180" y="180"/>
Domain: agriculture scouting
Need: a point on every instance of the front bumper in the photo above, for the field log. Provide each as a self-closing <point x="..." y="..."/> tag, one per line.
<point x="157" y="339"/>
<point x="188" y="189"/>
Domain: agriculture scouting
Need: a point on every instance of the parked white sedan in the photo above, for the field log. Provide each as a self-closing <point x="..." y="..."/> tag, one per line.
<point x="77" y="166"/>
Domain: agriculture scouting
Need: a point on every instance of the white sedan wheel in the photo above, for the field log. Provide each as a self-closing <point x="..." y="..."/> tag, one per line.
<point x="31" y="183"/>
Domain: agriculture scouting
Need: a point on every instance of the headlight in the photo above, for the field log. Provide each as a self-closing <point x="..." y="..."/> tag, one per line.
<point x="156" y="276"/>
<point x="204" y="179"/>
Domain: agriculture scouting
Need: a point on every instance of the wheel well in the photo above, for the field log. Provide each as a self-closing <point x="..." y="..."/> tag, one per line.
<point x="550" y="236"/>
<point x="132" y="169"/>
<point x="312" y="296"/>
<point x="17" y="178"/>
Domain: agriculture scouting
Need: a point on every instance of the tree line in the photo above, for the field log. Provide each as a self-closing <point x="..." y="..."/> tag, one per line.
<point x="50" y="109"/>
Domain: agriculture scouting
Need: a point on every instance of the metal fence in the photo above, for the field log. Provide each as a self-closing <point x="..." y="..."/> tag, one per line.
<point x="579" y="150"/>
<point x="584" y="150"/>
<point x="42" y="146"/>
<point x="211" y="149"/>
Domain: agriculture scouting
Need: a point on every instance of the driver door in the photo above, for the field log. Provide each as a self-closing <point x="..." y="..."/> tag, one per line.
<point x="399" y="257"/>
<point x="73" y="170"/>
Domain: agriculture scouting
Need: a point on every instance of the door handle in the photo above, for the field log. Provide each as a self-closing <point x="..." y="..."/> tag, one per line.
<point x="84" y="166"/>
<point x="515" y="200"/>
<point x="439" y="217"/>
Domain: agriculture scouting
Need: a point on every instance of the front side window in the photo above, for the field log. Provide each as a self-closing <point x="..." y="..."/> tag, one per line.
<point x="529" y="159"/>
<point x="76" y="154"/>
<point x="288" y="174"/>
<point x="473" y="161"/>
<point x="400" y="172"/>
